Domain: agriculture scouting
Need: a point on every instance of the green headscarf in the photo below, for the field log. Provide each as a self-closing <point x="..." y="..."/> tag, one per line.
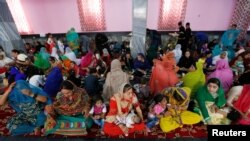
<point x="204" y="95"/>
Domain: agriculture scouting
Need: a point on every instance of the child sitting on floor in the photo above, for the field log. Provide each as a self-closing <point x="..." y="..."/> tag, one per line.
<point x="156" y="111"/>
<point x="98" y="111"/>
<point x="142" y="89"/>
<point x="238" y="66"/>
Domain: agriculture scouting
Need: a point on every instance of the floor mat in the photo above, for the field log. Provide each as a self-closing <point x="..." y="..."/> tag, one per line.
<point x="195" y="131"/>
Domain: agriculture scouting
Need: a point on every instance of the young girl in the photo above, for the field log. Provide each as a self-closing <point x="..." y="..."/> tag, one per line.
<point x="98" y="111"/>
<point x="157" y="111"/>
<point x="238" y="66"/>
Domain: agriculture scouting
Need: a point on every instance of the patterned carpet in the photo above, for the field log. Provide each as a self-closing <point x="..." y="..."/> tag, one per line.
<point x="196" y="131"/>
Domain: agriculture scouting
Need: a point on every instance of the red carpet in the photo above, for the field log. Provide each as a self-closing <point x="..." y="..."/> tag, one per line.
<point x="196" y="131"/>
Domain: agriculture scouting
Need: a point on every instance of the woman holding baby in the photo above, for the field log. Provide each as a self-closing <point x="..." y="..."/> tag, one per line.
<point x="121" y="104"/>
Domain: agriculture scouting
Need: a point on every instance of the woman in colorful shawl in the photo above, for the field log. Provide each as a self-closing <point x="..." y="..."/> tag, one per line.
<point x="42" y="59"/>
<point x="73" y="40"/>
<point x="211" y="100"/>
<point x="177" y="114"/>
<point x="28" y="102"/>
<point x="238" y="99"/>
<point x="224" y="73"/>
<point x="195" y="79"/>
<point x="120" y="105"/>
<point x="68" y="113"/>
<point x="164" y="73"/>
<point x="115" y="78"/>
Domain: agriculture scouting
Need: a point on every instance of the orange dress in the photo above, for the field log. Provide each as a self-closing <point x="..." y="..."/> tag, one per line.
<point x="164" y="74"/>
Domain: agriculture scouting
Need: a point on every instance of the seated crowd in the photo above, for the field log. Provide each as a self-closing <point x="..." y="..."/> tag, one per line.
<point x="65" y="87"/>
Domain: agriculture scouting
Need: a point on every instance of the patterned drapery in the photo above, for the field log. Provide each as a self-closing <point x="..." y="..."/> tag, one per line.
<point x="91" y="14"/>
<point x="171" y="12"/>
<point x="20" y="19"/>
<point x="241" y="16"/>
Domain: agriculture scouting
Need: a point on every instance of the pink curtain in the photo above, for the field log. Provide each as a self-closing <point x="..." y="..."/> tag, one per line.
<point x="171" y="12"/>
<point x="19" y="17"/>
<point x="91" y="14"/>
<point x="241" y="16"/>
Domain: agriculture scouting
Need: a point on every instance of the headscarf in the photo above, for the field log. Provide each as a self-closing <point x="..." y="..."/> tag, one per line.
<point x="60" y="46"/>
<point x="163" y="74"/>
<point x="169" y="61"/>
<point x="115" y="78"/>
<point x="203" y="95"/>
<point x="76" y="106"/>
<point x="121" y="88"/>
<point x="54" y="53"/>
<point x="229" y="37"/>
<point x="216" y="58"/>
<point x="42" y="59"/>
<point x="5" y="60"/>
<point x="133" y="100"/>
<point x="224" y="73"/>
<point x="195" y="79"/>
<point x="16" y="96"/>
<point x="88" y="60"/>
<point x="183" y="92"/>
<point x="53" y="82"/>
<point x="73" y="39"/>
<point x="177" y="52"/>
<point x="217" y="50"/>
<point x="29" y="113"/>
<point x="44" y="53"/>
<point x="71" y="55"/>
